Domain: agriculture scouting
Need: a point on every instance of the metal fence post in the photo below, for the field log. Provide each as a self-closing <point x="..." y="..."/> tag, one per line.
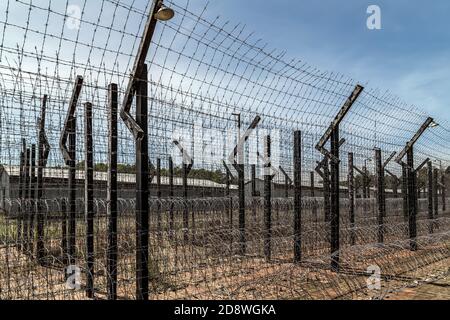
<point x="435" y="192"/>
<point x="142" y="189"/>
<point x="158" y="195"/>
<point x="171" y="194"/>
<point x="64" y="249"/>
<point x="405" y="191"/>
<point x="25" y="224"/>
<point x="69" y="155"/>
<point x="21" y="184"/>
<point x="380" y="191"/>
<point x="313" y="196"/>
<point x="89" y="198"/>
<point x="297" y="197"/>
<point x="72" y="191"/>
<point x="241" y="186"/>
<point x="430" y="194"/>
<point x="443" y="193"/>
<point x="112" y="249"/>
<point x="334" y="217"/>
<point x="412" y="199"/>
<point x="267" y="202"/>
<point x="326" y="189"/>
<point x="365" y="188"/>
<point x="32" y="211"/>
<point x="351" y="198"/>
<point x="185" y="205"/>
<point x="43" y="152"/>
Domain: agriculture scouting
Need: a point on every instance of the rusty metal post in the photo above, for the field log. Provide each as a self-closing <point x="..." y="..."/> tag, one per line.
<point x="297" y="197"/>
<point x="351" y="198"/>
<point x="112" y="250"/>
<point x="142" y="189"/>
<point x="89" y="198"/>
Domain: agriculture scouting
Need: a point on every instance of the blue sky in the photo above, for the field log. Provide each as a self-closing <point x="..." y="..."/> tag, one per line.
<point x="409" y="56"/>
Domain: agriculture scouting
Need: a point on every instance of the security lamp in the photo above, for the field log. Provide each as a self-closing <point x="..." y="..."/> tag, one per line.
<point x="164" y="13"/>
<point x="434" y="124"/>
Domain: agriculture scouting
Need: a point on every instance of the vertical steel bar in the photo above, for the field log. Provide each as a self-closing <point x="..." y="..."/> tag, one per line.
<point x="351" y="198"/>
<point x="313" y="196"/>
<point x="89" y="198"/>
<point x="254" y="194"/>
<point x="365" y="189"/>
<point x="64" y="248"/>
<point x="171" y="194"/>
<point x="158" y="195"/>
<point x="32" y="200"/>
<point x="241" y="187"/>
<point x="112" y="249"/>
<point x="297" y="196"/>
<point x="412" y="197"/>
<point x="334" y="218"/>
<point x="430" y="196"/>
<point x="380" y="176"/>
<point x="443" y="193"/>
<point x="253" y="181"/>
<point x="42" y="159"/>
<point x="72" y="192"/>
<point x="326" y="190"/>
<point x="435" y="192"/>
<point x="405" y="191"/>
<point x="142" y="189"/>
<point x="185" y="204"/>
<point x="25" y="224"/>
<point x="267" y="202"/>
<point x="21" y="211"/>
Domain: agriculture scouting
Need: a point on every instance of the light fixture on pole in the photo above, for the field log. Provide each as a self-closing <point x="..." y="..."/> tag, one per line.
<point x="164" y="13"/>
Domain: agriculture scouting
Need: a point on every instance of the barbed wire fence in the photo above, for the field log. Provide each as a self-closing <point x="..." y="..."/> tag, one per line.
<point x="145" y="155"/>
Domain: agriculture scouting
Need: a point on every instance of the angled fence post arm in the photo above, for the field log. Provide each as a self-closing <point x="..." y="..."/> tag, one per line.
<point x="388" y="160"/>
<point x="337" y="120"/>
<point x="139" y="62"/>
<point x="422" y="165"/>
<point x="69" y="117"/>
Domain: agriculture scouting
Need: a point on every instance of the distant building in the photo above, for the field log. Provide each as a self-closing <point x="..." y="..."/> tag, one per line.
<point x="56" y="181"/>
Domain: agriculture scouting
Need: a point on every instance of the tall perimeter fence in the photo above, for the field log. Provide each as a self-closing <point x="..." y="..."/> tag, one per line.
<point x="151" y="151"/>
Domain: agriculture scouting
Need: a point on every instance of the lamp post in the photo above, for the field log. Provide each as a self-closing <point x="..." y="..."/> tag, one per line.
<point x="139" y="128"/>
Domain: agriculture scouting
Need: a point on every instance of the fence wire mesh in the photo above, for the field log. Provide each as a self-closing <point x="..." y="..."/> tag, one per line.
<point x="190" y="209"/>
